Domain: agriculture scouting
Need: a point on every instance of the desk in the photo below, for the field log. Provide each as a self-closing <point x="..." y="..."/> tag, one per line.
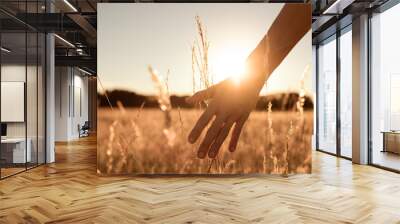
<point x="391" y="141"/>
<point x="13" y="150"/>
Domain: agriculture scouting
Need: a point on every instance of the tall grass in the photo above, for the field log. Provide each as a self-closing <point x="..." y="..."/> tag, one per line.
<point x="119" y="141"/>
<point x="200" y="67"/>
<point x="147" y="145"/>
<point x="200" y="64"/>
<point x="148" y="151"/>
<point x="164" y="102"/>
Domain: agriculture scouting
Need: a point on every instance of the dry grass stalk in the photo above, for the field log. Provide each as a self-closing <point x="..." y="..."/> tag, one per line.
<point x="229" y="166"/>
<point x="269" y="127"/>
<point x="109" y="150"/>
<point x="121" y="107"/>
<point x="119" y="141"/>
<point x="200" y="61"/>
<point x="302" y="92"/>
<point x="265" y="163"/>
<point x="287" y="152"/>
<point x="268" y="158"/>
<point x="200" y="57"/>
<point x="149" y="152"/>
<point x="251" y="157"/>
<point x="300" y="103"/>
<point x="105" y="92"/>
<point x="180" y="119"/>
<point x="164" y="102"/>
<point x="193" y="69"/>
<point x="167" y="81"/>
<point x="139" y="111"/>
<point x="163" y="96"/>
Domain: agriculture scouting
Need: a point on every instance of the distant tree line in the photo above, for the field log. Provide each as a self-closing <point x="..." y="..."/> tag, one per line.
<point x="280" y="101"/>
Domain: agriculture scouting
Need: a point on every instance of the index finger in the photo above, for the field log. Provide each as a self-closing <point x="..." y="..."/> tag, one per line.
<point x="201" y="123"/>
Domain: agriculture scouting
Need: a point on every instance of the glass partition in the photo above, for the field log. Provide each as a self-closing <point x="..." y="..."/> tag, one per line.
<point x="31" y="98"/>
<point x="385" y="89"/>
<point x="327" y="96"/>
<point x="13" y="94"/>
<point x="22" y="78"/>
<point x="346" y="93"/>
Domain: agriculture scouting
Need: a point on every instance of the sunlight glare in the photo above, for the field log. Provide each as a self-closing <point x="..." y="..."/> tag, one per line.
<point x="229" y="63"/>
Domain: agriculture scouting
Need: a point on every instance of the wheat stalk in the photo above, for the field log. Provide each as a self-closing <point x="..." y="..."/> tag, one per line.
<point x="105" y="92"/>
<point x="200" y="57"/>
<point x="180" y="118"/>
<point x="270" y="134"/>
<point x="200" y="61"/>
<point x="193" y="68"/>
<point x="300" y="103"/>
<point x="286" y="154"/>
<point x="110" y="148"/>
<point x="269" y="120"/>
<point x="164" y="102"/>
<point x="122" y="140"/>
<point x="229" y="164"/>
<point x="163" y="96"/>
<point x="265" y="163"/>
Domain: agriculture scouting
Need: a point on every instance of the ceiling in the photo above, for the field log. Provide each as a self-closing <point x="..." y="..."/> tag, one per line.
<point x="75" y="22"/>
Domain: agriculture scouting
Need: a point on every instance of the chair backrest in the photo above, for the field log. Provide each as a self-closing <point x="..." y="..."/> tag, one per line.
<point x="86" y="124"/>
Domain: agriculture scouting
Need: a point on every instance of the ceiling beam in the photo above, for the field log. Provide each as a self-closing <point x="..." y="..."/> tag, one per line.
<point x="84" y="24"/>
<point x="78" y="61"/>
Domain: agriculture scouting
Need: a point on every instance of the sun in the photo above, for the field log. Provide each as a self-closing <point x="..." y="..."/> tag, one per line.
<point x="228" y="63"/>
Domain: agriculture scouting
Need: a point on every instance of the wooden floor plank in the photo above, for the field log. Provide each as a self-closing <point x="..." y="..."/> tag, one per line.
<point x="70" y="191"/>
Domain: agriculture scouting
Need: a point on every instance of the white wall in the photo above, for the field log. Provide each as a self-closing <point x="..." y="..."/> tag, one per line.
<point x="71" y="93"/>
<point x="80" y="89"/>
<point x="12" y="73"/>
<point x="62" y="81"/>
<point x="16" y="73"/>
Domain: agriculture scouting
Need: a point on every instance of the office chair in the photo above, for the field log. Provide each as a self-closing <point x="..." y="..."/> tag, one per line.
<point x="84" y="130"/>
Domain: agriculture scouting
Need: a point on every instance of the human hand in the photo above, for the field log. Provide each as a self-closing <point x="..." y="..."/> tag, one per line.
<point x="230" y="103"/>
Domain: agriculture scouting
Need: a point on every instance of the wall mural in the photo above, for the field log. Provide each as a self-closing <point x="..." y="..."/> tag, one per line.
<point x="204" y="89"/>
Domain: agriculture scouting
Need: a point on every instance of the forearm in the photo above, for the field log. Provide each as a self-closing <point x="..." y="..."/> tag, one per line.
<point x="292" y="23"/>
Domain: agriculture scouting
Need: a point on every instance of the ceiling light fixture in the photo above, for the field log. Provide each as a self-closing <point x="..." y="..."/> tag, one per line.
<point x="5" y="50"/>
<point x="70" y="5"/>
<point x="79" y="51"/>
<point x="65" y="41"/>
<point x="84" y="71"/>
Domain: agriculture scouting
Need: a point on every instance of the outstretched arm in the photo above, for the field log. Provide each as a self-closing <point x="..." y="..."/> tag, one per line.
<point x="232" y="103"/>
<point x="292" y="23"/>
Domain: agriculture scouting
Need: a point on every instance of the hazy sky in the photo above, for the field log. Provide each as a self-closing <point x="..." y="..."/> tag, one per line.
<point x="132" y="36"/>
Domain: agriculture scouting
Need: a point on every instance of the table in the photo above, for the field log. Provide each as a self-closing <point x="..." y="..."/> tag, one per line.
<point x="391" y="141"/>
<point x="13" y="150"/>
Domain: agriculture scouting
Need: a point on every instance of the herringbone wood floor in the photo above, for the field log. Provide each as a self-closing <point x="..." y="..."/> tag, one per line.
<point x="70" y="191"/>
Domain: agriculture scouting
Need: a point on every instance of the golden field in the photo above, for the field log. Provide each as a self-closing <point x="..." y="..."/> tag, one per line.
<point x="134" y="141"/>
